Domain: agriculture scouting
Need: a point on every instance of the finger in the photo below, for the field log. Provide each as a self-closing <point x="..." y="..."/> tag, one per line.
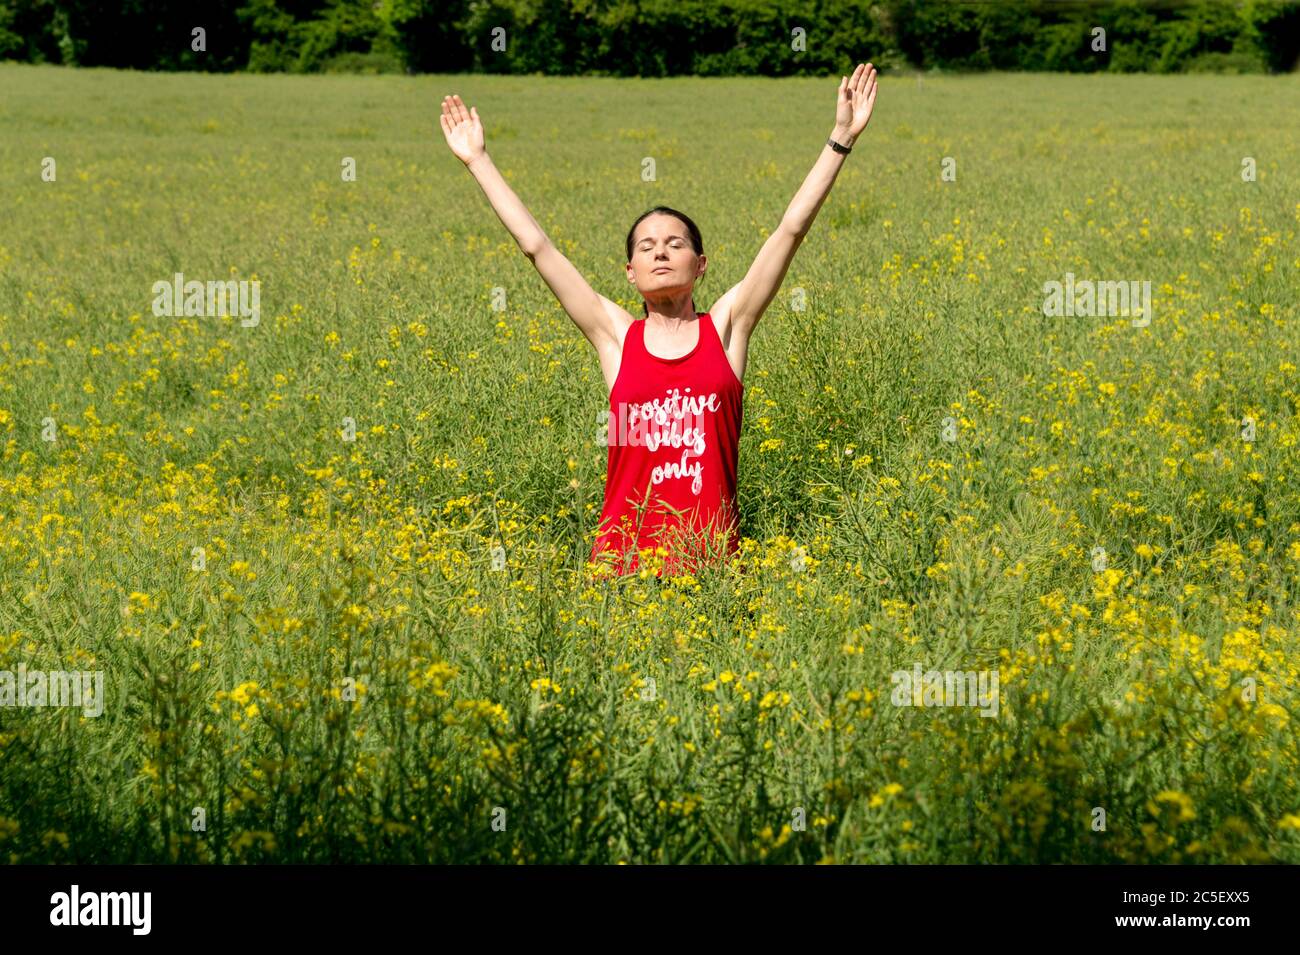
<point x="864" y="78"/>
<point x="460" y="108"/>
<point x="473" y="111"/>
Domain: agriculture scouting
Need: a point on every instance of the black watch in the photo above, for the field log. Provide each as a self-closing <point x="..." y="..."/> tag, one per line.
<point x="837" y="147"/>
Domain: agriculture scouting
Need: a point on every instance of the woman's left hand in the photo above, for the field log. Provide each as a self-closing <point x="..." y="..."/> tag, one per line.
<point x="856" y="99"/>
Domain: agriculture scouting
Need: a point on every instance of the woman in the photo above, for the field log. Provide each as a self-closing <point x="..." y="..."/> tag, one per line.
<point x="675" y="376"/>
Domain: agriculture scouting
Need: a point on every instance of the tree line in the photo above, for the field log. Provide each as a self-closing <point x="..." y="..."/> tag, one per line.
<point x="655" y="37"/>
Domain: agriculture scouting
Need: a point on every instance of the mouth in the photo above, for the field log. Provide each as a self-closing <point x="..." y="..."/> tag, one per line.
<point x="662" y="268"/>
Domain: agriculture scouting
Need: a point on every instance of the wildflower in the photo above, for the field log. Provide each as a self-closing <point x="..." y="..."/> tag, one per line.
<point x="1181" y="801"/>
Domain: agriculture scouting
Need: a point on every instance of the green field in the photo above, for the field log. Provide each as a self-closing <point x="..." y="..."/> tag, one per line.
<point x="306" y="652"/>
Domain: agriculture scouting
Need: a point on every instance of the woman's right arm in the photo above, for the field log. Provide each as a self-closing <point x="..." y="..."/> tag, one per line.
<point x="598" y="317"/>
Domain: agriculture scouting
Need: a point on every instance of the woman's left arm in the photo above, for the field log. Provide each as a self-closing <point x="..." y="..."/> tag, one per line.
<point x="855" y="99"/>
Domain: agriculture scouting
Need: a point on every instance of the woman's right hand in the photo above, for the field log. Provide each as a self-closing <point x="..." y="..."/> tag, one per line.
<point x="463" y="129"/>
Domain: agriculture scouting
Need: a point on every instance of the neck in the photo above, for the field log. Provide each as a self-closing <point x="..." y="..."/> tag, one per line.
<point x="672" y="323"/>
<point x="672" y="314"/>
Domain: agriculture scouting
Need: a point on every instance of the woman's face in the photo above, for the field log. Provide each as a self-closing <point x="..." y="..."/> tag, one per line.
<point x="663" y="258"/>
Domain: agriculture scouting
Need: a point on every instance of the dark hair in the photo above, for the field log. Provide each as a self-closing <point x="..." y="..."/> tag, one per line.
<point x="697" y="241"/>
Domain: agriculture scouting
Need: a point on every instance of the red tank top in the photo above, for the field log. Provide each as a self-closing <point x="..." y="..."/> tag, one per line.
<point x="674" y="436"/>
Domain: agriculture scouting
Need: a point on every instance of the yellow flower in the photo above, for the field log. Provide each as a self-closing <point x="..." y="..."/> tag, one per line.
<point x="143" y="601"/>
<point x="1173" y="796"/>
<point x="241" y="693"/>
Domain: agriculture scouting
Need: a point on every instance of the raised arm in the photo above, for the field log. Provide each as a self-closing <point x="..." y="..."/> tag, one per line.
<point x="597" y="317"/>
<point x="855" y="100"/>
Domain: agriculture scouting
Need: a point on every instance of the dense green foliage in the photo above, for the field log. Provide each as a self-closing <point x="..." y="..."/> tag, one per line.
<point x="654" y="37"/>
